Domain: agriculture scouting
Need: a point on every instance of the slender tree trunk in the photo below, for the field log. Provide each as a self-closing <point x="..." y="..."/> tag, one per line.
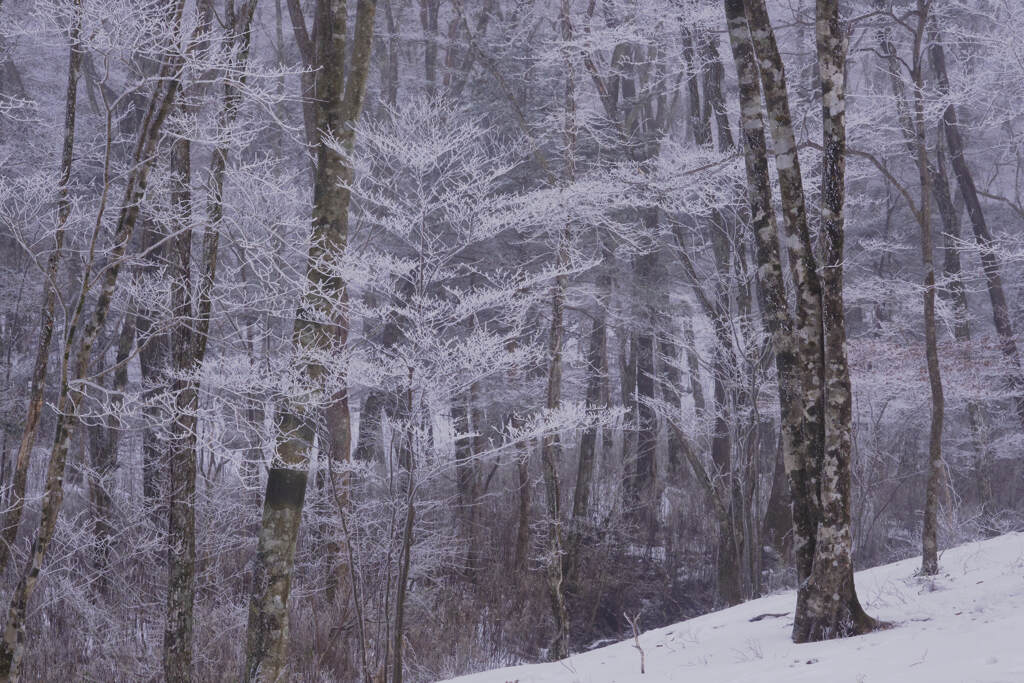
<point x="192" y="311"/>
<point x="12" y="518"/>
<point x="104" y="440"/>
<point x="588" y="443"/>
<point x="957" y="293"/>
<point x="522" y="552"/>
<point x="936" y="473"/>
<point x="13" y="646"/>
<point x="646" y="480"/>
<point x="989" y="258"/>
<point x="551" y="449"/>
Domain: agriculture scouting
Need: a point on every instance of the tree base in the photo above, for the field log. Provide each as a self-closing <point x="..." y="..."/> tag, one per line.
<point x="847" y="619"/>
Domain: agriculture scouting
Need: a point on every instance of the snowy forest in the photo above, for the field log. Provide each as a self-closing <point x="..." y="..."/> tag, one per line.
<point x="393" y="340"/>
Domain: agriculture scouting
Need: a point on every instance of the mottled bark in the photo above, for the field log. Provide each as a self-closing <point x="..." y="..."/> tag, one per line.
<point x="771" y="287"/>
<point x="832" y="608"/>
<point x="814" y="386"/>
<point x="12" y="517"/>
<point x="13" y="646"/>
<point x="803" y="423"/>
<point x="320" y="325"/>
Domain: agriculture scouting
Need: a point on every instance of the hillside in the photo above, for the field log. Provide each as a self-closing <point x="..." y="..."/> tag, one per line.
<point x="965" y="626"/>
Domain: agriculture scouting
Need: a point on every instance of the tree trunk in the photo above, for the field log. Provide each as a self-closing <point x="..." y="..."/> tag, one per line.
<point x="12" y="518"/>
<point x="832" y="608"/>
<point x="522" y="553"/>
<point x="13" y="646"/>
<point x="814" y="385"/>
<point x="989" y="259"/>
<point x="339" y="103"/>
<point x="104" y="440"/>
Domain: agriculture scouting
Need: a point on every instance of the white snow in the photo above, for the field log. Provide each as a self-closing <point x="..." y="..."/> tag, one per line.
<point x="964" y="626"/>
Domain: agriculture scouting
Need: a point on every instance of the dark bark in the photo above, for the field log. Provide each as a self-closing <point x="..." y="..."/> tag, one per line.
<point x="104" y="439"/>
<point x="990" y="264"/>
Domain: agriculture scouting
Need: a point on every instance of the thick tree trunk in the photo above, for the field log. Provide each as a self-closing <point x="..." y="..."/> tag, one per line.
<point x="814" y="386"/>
<point x="832" y="607"/>
<point x="339" y="103"/>
<point x="803" y="425"/>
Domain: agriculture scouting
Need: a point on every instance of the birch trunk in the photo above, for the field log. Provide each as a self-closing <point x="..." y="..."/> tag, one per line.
<point x="832" y="608"/>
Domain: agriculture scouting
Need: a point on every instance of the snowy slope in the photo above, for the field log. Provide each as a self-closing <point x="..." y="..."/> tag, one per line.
<point x="966" y="626"/>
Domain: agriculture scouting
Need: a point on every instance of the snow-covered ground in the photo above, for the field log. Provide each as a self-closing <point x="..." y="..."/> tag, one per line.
<point x="965" y="626"/>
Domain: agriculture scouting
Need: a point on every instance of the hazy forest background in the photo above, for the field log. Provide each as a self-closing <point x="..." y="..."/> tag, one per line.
<point x="390" y="340"/>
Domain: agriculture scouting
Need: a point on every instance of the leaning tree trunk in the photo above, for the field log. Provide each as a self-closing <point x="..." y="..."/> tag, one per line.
<point x="989" y="258"/>
<point x="771" y="287"/>
<point x="319" y="327"/>
<point x="12" y="518"/>
<point x="803" y="424"/>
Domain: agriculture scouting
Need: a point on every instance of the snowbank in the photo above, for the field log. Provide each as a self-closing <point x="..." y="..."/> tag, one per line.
<point x="964" y="626"/>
